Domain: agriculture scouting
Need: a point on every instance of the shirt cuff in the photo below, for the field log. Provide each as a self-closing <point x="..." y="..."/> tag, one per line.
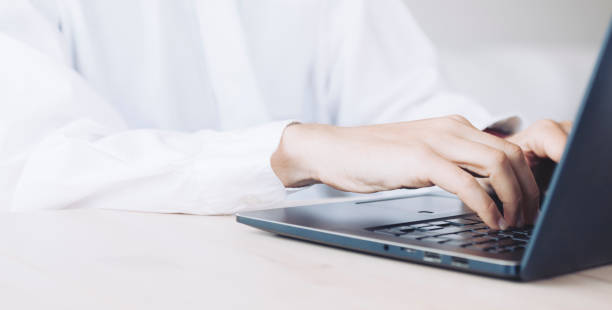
<point x="270" y="186"/>
<point x="253" y="183"/>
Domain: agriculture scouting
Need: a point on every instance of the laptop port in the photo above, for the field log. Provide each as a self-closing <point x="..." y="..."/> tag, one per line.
<point x="432" y="257"/>
<point x="459" y="262"/>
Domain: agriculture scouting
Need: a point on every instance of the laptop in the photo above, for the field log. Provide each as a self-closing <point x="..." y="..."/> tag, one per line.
<point x="573" y="231"/>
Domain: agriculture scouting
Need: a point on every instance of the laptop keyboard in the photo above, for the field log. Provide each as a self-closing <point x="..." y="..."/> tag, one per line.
<point x="466" y="232"/>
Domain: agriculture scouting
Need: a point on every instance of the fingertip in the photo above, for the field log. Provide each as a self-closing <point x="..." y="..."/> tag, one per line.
<point x="510" y="218"/>
<point x="492" y="217"/>
<point x="502" y="224"/>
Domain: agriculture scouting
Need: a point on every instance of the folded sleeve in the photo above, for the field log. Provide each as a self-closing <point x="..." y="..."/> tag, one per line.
<point x="63" y="146"/>
<point x="84" y="164"/>
<point x="375" y="65"/>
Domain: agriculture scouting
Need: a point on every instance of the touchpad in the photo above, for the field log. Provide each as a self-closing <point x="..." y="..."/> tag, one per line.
<point x="423" y="207"/>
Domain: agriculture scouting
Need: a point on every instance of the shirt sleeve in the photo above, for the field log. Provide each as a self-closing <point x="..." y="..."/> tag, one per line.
<point x="376" y="65"/>
<point x="63" y="146"/>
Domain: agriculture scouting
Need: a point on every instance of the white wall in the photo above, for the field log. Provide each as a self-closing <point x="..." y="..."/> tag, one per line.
<point x="466" y="22"/>
<point x="528" y="57"/>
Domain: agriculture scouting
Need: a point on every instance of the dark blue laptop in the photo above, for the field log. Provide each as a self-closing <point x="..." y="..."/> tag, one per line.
<point x="573" y="231"/>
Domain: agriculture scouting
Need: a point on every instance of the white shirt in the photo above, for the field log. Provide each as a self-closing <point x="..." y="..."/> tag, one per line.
<point x="176" y="106"/>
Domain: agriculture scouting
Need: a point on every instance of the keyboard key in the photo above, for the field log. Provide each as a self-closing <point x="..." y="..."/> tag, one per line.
<point x="482" y="246"/>
<point x="416" y="235"/>
<point x="479" y="227"/>
<point x="497" y="250"/>
<point x="419" y="225"/>
<point x="513" y="249"/>
<point x="479" y="240"/>
<point x="394" y="231"/>
<point x="498" y="238"/>
<point x="474" y="218"/>
<point x="460" y="243"/>
<point x="439" y="223"/>
<point x="435" y="239"/>
<point x="525" y="230"/>
<point x="507" y="242"/>
<point x="469" y="234"/>
<point x="461" y="222"/>
<point x="455" y="237"/>
<point x="451" y="230"/>
<point x="405" y="228"/>
<point x="428" y="228"/>
<point x="520" y="236"/>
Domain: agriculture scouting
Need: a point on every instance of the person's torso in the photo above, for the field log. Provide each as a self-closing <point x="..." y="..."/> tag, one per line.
<point x="147" y="58"/>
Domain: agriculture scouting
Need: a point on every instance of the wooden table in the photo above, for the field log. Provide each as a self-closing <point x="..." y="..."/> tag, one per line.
<point x="90" y="259"/>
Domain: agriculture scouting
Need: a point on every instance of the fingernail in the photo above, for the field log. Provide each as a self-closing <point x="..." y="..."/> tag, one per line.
<point x="502" y="223"/>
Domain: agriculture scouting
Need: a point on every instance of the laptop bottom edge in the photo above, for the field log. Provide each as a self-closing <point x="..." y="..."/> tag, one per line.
<point x="508" y="272"/>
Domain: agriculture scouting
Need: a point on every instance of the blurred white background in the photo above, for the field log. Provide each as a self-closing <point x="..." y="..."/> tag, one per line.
<point x="528" y="57"/>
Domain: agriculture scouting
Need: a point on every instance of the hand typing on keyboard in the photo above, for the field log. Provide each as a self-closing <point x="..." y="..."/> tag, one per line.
<point x="447" y="151"/>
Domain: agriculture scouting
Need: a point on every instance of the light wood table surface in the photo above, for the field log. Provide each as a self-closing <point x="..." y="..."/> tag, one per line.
<point x="97" y="259"/>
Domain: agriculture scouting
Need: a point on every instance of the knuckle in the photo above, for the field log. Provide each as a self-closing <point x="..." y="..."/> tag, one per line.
<point x="498" y="160"/>
<point x="546" y="124"/>
<point x="459" y="118"/>
<point x="448" y="123"/>
<point x="514" y="151"/>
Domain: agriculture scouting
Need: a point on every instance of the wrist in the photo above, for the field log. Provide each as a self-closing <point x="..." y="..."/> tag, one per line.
<point x="294" y="161"/>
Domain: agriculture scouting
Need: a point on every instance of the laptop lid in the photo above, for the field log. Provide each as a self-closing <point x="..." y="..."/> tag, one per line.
<point x="575" y="225"/>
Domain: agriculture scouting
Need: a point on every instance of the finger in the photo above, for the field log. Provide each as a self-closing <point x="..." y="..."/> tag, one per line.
<point x="547" y="139"/>
<point x="566" y="126"/>
<point x="520" y="166"/>
<point x="486" y="184"/>
<point x="450" y="177"/>
<point x="488" y="162"/>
